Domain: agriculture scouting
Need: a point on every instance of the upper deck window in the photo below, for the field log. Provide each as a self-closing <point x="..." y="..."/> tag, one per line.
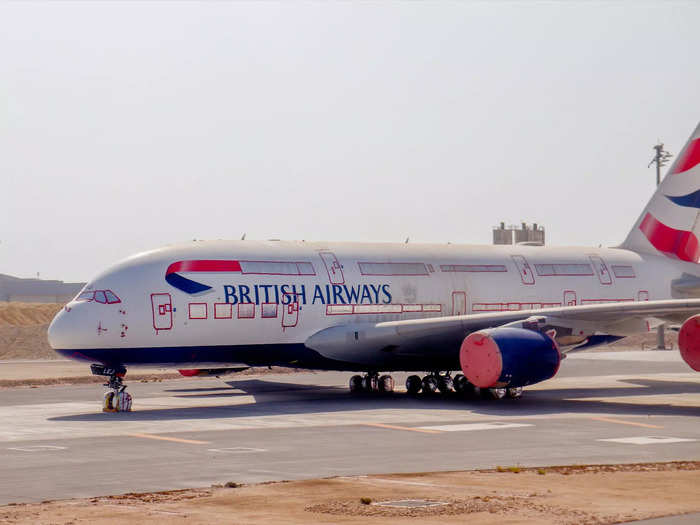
<point x="623" y="272"/>
<point x="563" y="269"/>
<point x="473" y="268"/>
<point x="392" y="268"/>
<point x="277" y="268"/>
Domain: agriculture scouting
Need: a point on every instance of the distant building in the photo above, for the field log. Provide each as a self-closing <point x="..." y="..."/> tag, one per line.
<point x="37" y="290"/>
<point x="516" y="235"/>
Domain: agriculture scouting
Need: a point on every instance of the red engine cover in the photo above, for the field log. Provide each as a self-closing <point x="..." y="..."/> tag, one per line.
<point x="689" y="342"/>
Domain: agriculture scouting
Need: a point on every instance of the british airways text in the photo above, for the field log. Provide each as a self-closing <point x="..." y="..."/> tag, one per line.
<point x="321" y="294"/>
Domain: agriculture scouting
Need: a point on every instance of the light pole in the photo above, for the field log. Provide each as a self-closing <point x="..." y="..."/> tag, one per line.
<point x="661" y="158"/>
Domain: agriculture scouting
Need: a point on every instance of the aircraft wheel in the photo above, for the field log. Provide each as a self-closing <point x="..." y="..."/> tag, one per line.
<point x="494" y="393"/>
<point x="459" y="383"/>
<point x="413" y="385"/>
<point x="108" y="402"/>
<point x="386" y="383"/>
<point x="515" y="392"/>
<point x="429" y="385"/>
<point x="444" y="384"/>
<point x="122" y="401"/>
<point x="369" y="383"/>
<point x="355" y="384"/>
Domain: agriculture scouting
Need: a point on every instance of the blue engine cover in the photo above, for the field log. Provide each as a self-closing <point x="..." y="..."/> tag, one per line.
<point x="509" y="357"/>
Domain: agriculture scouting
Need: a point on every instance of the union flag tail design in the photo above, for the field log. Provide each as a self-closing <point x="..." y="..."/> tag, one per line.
<point x="670" y="223"/>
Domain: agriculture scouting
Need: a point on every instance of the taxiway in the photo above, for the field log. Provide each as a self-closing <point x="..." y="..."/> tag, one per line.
<point x="610" y="407"/>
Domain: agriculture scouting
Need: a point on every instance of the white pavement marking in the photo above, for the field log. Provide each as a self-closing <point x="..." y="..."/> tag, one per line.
<point x="476" y="426"/>
<point x="37" y="448"/>
<point x="237" y="450"/>
<point x="657" y="356"/>
<point x="647" y="440"/>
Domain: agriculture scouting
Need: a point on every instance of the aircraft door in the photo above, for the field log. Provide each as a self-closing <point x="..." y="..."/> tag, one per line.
<point x="601" y="270"/>
<point x="526" y="275"/>
<point x="333" y="267"/>
<point x="643" y="295"/>
<point x="459" y="303"/>
<point x="290" y="311"/>
<point x="569" y="298"/>
<point x="162" y="307"/>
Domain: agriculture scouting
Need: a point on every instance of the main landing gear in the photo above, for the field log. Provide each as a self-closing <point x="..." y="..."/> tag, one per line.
<point x="371" y="382"/>
<point x="116" y="399"/>
<point x="433" y="384"/>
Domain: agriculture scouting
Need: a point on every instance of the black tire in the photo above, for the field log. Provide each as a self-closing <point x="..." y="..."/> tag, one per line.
<point x="386" y="383"/>
<point x="369" y="383"/>
<point x="429" y="385"/>
<point x="444" y="384"/>
<point x="515" y="392"/>
<point x="355" y="384"/>
<point x="459" y="383"/>
<point x="413" y="385"/>
<point x="493" y="393"/>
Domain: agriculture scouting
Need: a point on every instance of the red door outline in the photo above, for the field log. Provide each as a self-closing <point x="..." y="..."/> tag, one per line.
<point x="459" y="303"/>
<point x="526" y="275"/>
<point x="601" y="269"/>
<point x="162" y="307"/>
<point x="333" y="267"/>
<point x="569" y="298"/>
<point x="642" y="295"/>
<point x="290" y="311"/>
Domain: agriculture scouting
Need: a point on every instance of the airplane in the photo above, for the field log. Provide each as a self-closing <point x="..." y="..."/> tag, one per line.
<point x="503" y="316"/>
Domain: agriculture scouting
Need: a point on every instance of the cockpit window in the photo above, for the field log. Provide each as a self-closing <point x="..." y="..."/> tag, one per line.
<point x="112" y="297"/>
<point x="99" y="296"/>
<point x="85" y="296"/>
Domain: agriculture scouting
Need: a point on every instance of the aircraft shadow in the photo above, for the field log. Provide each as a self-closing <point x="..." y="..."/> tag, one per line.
<point x="311" y="399"/>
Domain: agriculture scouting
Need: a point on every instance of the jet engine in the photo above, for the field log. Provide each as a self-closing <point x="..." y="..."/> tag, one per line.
<point x="203" y="372"/>
<point x="689" y="342"/>
<point x="509" y="357"/>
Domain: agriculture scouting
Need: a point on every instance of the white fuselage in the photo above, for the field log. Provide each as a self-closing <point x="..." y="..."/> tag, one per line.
<point x="274" y="293"/>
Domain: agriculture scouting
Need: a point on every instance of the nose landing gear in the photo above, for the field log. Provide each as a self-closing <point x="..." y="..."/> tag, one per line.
<point x="116" y="399"/>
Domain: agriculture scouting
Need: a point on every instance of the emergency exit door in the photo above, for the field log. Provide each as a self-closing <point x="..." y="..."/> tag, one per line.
<point x="290" y="311"/>
<point x="335" y="271"/>
<point x="569" y="298"/>
<point x="459" y="303"/>
<point x="526" y="275"/>
<point x="162" y="306"/>
<point x="601" y="269"/>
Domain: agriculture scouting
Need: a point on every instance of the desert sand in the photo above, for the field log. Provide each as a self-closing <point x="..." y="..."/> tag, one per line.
<point x="573" y="495"/>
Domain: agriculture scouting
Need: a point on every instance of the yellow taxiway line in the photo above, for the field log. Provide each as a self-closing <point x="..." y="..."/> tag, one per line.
<point x="623" y="422"/>
<point x="165" y="438"/>
<point x="395" y="427"/>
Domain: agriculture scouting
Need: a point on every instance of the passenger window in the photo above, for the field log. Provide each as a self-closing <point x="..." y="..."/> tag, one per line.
<point x="100" y="297"/>
<point x="112" y="297"/>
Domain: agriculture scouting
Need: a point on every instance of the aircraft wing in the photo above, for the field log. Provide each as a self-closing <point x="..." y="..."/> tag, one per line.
<point x="376" y="343"/>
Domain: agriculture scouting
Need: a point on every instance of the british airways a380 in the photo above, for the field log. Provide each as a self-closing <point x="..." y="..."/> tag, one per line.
<point x="501" y="316"/>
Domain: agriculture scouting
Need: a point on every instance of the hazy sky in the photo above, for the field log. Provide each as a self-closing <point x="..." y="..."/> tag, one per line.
<point x="126" y="126"/>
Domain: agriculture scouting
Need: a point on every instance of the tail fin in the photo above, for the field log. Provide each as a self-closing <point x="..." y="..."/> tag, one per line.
<point x="670" y="223"/>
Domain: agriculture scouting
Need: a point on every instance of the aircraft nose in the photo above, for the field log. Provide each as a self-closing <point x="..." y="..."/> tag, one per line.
<point x="60" y="330"/>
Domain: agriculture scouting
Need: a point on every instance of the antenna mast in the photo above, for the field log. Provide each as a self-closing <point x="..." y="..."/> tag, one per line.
<point x="661" y="158"/>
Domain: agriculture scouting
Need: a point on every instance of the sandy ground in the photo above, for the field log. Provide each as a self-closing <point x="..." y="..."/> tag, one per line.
<point x="23" y="330"/>
<point x="555" y="495"/>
